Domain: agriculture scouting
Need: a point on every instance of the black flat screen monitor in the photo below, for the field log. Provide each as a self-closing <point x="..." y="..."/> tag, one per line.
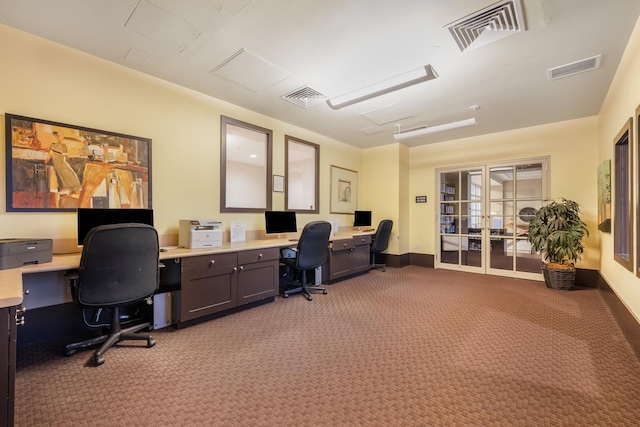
<point x="93" y="217"/>
<point x="280" y="222"/>
<point x="362" y="219"/>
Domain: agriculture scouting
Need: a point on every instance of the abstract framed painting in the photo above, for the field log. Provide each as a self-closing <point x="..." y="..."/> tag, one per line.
<point x="53" y="167"/>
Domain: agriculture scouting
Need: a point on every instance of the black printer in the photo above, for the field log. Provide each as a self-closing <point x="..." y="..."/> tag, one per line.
<point x="18" y="252"/>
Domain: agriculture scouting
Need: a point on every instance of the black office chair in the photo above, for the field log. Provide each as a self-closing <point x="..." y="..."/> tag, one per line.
<point x="118" y="267"/>
<point x="380" y="242"/>
<point x="311" y="252"/>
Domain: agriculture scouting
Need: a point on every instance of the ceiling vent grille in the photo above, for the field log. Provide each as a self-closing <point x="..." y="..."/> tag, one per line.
<point x="500" y="20"/>
<point x="304" y="97"/>
<point x="574" y="68"/>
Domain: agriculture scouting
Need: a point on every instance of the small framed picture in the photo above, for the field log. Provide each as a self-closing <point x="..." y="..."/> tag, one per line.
<point x="278" y="184"/>
<point x="344" y="190"/>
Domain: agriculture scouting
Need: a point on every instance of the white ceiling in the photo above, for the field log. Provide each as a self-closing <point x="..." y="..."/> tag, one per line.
<point x="337" y="46"/>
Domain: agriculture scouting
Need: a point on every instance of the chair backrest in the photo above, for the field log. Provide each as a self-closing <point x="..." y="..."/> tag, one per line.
<point x="313" y="245"/>
<point x="380" y="240"/>
<point x="119" y="265"/>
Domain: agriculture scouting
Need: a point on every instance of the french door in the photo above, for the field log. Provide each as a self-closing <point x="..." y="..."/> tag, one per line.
<point x="483" y="216"/>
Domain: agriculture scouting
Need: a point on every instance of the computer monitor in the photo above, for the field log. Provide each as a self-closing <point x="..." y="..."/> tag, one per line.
<point x="362" y="219"/>
<point x="277" y="222"/>
<point x="89" y="218"/>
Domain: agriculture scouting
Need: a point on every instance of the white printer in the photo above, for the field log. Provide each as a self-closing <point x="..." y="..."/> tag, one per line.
<point x="200" y="233"/>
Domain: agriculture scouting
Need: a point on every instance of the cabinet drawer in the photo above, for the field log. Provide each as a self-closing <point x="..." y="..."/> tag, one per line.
<point x="258" y="255"/>
<point x="362" y="240"/>
<point x="341" y="245"/>
<point x="203" y="265"/>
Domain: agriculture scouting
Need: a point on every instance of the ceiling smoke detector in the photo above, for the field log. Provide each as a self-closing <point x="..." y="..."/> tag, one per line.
<point x="500" y="20"/>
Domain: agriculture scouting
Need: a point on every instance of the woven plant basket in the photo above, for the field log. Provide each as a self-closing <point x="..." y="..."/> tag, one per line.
<point x="559" y="278"/>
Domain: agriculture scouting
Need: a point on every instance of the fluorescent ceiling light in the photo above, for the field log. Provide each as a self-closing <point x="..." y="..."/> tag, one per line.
<point x="414" y="133"/>
<point x="411" y="78"/>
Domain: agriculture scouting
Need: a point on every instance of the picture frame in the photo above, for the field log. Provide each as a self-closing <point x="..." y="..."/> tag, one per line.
<point x="278" y="183"/>
<point x="604" y="196"/>
<point x="57" y="167"/>
<point x="344" y="190"/>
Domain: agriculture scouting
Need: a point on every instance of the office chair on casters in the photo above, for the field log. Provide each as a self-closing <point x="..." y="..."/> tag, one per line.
<point x="118" y="267"/>
<point x="380" y="242"/>
<point x="312" y="251"/>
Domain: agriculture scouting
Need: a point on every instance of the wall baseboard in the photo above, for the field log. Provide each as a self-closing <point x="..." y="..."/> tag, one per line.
<point x="627" y="322"/>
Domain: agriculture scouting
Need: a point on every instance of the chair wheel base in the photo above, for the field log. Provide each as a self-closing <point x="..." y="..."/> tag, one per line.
<point x="151" y="342"/>
<point x="98" y="360"/>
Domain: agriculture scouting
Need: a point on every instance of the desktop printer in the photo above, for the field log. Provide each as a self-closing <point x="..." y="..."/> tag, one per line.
<point x="200" y="233"/>
<point x="17" y="252"/>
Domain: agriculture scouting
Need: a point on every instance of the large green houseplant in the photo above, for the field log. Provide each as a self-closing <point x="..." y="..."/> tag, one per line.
<point x="556" y="232"/>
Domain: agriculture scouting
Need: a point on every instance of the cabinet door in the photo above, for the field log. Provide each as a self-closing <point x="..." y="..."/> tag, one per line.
<point x="257" y="274"/>
<point x="361" y="255"/>
<point x="209" y="285"/>
<point x="7" y="363"/>
<point x="340" y="258"/>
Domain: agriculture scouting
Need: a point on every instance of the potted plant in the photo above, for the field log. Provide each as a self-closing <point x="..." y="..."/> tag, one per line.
<point x="556" y="232"/>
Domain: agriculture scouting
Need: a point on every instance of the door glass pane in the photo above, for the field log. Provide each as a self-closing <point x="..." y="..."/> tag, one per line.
<point x="470" y="224"/>
<point x="501" y="183"/>
<point x="471" y="254"/>
<point x="450" y="249"/>
<point x="500" y="257"/>
<point x="529" y="181"/>
<point x="525" y="260"/>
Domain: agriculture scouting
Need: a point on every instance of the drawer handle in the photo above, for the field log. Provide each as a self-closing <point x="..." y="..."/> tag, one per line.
<point x="213" y="261"/>
<point x="345" y="245"/>
<point x="259" y="255"/>
<point x="241" y="268"/>
<point x="236" y="268"/>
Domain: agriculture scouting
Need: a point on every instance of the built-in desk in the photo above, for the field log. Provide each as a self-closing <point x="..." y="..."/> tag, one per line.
<point x="210" y="281"/>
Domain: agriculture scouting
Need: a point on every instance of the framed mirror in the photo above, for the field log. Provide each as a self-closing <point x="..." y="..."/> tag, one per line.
<point x="245" y="166"/>
<point x="302" y="170"/>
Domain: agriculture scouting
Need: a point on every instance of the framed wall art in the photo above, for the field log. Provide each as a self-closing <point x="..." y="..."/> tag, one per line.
<point x="54" y="166"/>
<point x="604" y="196"/>
<point x="344" y="190"/>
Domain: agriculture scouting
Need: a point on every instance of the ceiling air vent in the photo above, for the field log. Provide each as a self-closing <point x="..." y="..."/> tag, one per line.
<point x="574" y="68"/>
<point x="304" y="97"/>
<point x="500" y="20"/>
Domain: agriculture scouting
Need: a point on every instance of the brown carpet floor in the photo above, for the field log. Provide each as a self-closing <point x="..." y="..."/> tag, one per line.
<point x="409" y="347"/>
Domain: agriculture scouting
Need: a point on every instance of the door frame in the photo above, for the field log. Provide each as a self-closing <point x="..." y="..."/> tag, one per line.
<point x="486" y="215"/>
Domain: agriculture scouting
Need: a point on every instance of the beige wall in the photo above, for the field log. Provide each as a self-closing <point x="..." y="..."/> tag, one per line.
<point x="571" y="147"/>
<point x="385" y="191"/>
<point x="622" y="100"/>
<point x="47" y="81"/>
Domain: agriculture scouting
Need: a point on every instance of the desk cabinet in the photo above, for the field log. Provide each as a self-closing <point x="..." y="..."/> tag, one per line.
<point x="209" y="285"/>
<point x="257" y="274"/>
<point x="215" y="283"/>
<point x="349" y="257"/>
<point x="8" y="361"/>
